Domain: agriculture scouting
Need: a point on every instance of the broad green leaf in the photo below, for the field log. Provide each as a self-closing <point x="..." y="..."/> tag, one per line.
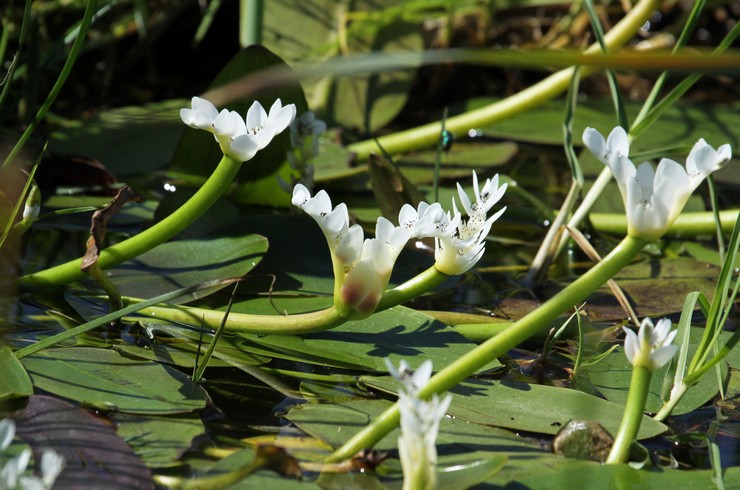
<point x="397" y="333"/>
<point x="529" y="407"/>
<point x="335" y="423"/>
<point x="197" y="153"/>
<point x="183" y="263"/>
<point x="14" y="383"/>
<point x="595" y="475"/>
<point x="103" y="379"/>
<point x="159" y="441"/>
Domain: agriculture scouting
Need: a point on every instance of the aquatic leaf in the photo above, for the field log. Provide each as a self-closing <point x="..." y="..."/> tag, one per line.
<point x="14" y="382"/>
<point x="261" y="479"/>
<point x="530" y="407"/>
<point x="595" y="475"/>
<point x="103" y="379"/>
<point x="94" y="456"/>
<point x="184" y="263"/>
<point x="158" y="440"/>
<point x="397" y="333"/>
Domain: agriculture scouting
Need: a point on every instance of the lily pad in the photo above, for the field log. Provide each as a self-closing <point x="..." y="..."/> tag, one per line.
<point x="103" y="379"/>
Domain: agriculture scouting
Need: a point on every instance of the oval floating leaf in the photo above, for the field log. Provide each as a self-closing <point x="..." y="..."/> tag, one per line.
<point x="103" y="379"/>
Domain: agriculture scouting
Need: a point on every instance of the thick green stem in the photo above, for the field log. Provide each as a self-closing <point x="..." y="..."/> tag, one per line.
<point x="639" y="386"/>
<point x="676" y="395"/>
<point x="549" y="88"/>
<point x="686" y="224"/>
<point x="494" y="347"/>
<point x="302" y="323"/>
<point x="173" y="224"/>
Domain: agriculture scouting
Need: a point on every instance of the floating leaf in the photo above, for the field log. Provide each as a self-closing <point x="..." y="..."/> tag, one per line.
<point x="159" y="441"/>
<point x="14" y="382"/>
<point x="103" y="379"/>
<point x="529" y="407"/>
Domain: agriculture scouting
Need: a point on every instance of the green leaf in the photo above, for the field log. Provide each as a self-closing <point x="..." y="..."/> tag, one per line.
<point x="530" y="407"/>
<point x="595" y="475"/>
<point x="159" y="441"/>
<point x="14" y="383"/>
<point x="103" y="379"/>
<point x="185" y="263"/>
<point x="397" y="333"/>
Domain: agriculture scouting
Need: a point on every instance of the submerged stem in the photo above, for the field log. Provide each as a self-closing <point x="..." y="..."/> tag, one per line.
<point x="573" y="294"/>
<point x="158" y="233"/>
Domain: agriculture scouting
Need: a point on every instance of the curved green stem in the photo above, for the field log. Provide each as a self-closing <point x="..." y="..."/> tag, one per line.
<point x="302" y="323"/>
<point x="66" y="69"/>
<point x="521" y="330"/>
<point x="549" y="88"/>
<point x="639" y="386"/>
<point x="676" y="395"/>
<point x="158" y="233"/>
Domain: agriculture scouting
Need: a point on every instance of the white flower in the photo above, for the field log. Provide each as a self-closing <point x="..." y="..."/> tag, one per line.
<point x="419" y="426"/>
<point x="653" y="199"/>
<point x="651" y="347"/>
<point x="345" y="242"/>
<point x="460" y="243"/>
<point x="424" y="221"/>
<point x="238" y="138"/>
<point x="366" y="281"/>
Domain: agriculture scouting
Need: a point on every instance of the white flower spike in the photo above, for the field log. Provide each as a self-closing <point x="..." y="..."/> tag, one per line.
<point x="419" y="426"/>
<point x="460" y="243"/>
<point x="366" y="281"/>
<point x="651" y="347"/>
<point x="238" y="138"/>
<point x="653" y="199"/>
<point x="345" y="242"/>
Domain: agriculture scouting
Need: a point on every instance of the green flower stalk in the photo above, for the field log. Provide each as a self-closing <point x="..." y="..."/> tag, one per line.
<point x="239" y="139"/>
<point x="647" y="351"/>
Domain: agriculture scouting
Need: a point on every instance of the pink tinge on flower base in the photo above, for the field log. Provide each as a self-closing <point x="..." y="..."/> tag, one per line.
<point x="239" y="139"/>
<point x="653" y="199"/>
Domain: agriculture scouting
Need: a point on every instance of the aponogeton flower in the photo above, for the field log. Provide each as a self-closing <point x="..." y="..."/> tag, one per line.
<point x="345" y="242"/>
<point x="460" y="242"/>
<point x="651" y="347"/>
<point x="653" y="199"/>
<point x="419" y="425"/>
<point x="239" y="139"/>
<point x="366" y="281"/>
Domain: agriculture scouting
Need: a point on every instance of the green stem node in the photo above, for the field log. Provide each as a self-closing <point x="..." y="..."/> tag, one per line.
<point x="519" y="331"/>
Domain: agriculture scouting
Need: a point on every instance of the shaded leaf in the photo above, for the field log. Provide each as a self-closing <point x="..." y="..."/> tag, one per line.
<point x="103" y="379"/>
<point x="159" y="441"/>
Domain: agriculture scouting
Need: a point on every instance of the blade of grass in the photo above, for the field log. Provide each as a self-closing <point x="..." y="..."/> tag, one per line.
<point x="21" y="39"/>
<point x="201" y="367"/>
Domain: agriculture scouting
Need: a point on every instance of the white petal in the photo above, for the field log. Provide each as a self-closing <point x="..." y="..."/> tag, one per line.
<point x="256" y="117"/>
<point x="204" y="105"/>
<point x="595" y="142"/>
<point x="617" y="143"/>
<point x="631" y="344"/>
<point x="301" y="194"/>
<point x="282" y="118"/>
<point x="464" y="199"/>
<point x="243" y="148"/>
<point x="661" y="356"/>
